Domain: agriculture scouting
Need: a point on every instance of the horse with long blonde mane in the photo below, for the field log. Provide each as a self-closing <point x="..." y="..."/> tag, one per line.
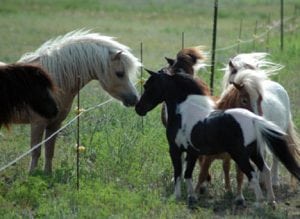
<point x="270" y="93"/>
<point x="73" y="60"/>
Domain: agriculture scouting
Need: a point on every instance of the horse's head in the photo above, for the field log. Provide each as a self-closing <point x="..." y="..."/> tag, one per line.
<point x="234" y="66"/>
<point x="235" y="97"/>
<point x="169" y="88"/>
<point x="188" y="60"/>
<point x="245" y="91"/>
<point x="118" y="83"/>
<point x="154" y="93"/>
<point x="253" y="61"/>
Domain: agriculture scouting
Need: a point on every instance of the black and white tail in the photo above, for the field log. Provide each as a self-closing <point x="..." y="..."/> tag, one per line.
<point x="293" y="139"/>
<point x="271" y="135"/>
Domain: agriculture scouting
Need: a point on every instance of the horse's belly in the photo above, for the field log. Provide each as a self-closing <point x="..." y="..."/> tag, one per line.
<point x="207" y="138"/>
<point x="22" y="118"/>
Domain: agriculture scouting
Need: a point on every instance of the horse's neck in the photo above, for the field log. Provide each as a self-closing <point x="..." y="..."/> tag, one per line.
<point x="70" y="81"/>
<point x="193" y="109"/>
<point x="78" y="84"/>
<point x="196" y="106"/>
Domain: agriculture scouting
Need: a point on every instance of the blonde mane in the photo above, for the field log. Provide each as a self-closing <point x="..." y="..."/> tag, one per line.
<point x="255" y="61"/>
<point x="81" y="53"/>
<point x="251" y="81"/>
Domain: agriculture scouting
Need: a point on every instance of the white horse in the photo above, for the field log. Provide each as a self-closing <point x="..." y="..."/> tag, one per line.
<point x="271" y="101"/>
<point x="73" y="60"/>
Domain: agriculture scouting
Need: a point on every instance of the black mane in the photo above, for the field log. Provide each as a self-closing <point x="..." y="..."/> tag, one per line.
<point x="185" y="84"/>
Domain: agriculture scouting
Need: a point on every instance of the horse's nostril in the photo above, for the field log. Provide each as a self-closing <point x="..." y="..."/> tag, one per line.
<point x="130" y="100"/>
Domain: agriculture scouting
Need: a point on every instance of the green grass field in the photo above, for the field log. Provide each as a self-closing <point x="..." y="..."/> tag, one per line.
<point x="125" y="171"/>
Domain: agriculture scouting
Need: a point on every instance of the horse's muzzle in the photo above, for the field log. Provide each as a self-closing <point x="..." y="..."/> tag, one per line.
<point x="139" y="110"/>
<point x="130" y="100"/>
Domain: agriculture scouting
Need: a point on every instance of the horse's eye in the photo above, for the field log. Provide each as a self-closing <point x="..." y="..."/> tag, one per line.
<point x="244" y="101"/>
<point x="233" y="71"/>
<point x="120" y="74"/>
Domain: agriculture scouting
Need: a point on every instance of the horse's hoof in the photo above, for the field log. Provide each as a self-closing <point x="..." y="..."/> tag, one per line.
<point x="276" y="186"/>
<point x="258" y="205"/>
<point x="202" y="190"/>
<point x="240" y="202"/>
<point x="192" y="201"/>
<point x="273" y="204"/>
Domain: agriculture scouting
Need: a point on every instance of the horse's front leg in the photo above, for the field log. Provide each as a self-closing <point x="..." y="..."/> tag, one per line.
<point x="204" y="173"/>
<point x="37" y="131"/>
<point x="191" y="160"/>
<point x="241" y="157"/>
<point x="175" y="154"/>
<point x="49" y="147"/>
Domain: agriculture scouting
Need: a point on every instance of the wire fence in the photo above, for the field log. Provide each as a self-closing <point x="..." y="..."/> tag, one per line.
<point x="239" y="42"/>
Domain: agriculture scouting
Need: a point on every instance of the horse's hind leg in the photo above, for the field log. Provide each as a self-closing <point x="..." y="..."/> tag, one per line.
<point x="49" y="147"/>
<point x="242" y="159"/>
<point x="204" y="173"/>
<point x="266" y="174"/>
<point x="240" y="199"/>
<point x="37" y="131"/>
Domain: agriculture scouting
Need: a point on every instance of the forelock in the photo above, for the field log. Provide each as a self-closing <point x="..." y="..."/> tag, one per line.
<point x="252" y="82"/>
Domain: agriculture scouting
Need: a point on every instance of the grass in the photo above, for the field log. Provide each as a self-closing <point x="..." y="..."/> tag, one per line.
<point x="126" y="171"/>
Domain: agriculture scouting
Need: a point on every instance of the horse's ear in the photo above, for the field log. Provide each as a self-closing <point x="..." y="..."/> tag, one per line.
<point x="170" y="61"/>
<point x="231" y="64"/>
<point x="150" y="72"/>
<point x="237" y="86"/>
<point x="117" y="56"/>
<point x="247" y="66"/>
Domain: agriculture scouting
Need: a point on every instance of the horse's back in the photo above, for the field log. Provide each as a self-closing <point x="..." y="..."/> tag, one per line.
<point x="216" y="133"/>
<point x="276" y="104"/>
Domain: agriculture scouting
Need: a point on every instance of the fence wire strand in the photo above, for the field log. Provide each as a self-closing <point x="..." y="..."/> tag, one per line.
<point x="51" y="136"/>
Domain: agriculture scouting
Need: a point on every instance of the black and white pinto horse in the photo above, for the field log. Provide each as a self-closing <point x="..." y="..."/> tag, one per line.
<point x="24" y="87"/>
<point x="195" y="127"/>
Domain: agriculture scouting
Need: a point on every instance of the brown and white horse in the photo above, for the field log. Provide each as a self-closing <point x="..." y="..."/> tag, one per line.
<point x="189" y="60"/>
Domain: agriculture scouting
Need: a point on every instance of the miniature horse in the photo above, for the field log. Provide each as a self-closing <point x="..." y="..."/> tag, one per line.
<point x="189" y="60"/>
<point x="73" y="60"/>
<point x="22" y="87"/>
<point x="264" y="95"/>
<point x="195" y="127"/>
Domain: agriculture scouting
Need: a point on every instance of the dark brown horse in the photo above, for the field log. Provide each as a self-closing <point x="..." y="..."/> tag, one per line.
<point x="188" y="60"/>
<point x="24" y="87"/>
